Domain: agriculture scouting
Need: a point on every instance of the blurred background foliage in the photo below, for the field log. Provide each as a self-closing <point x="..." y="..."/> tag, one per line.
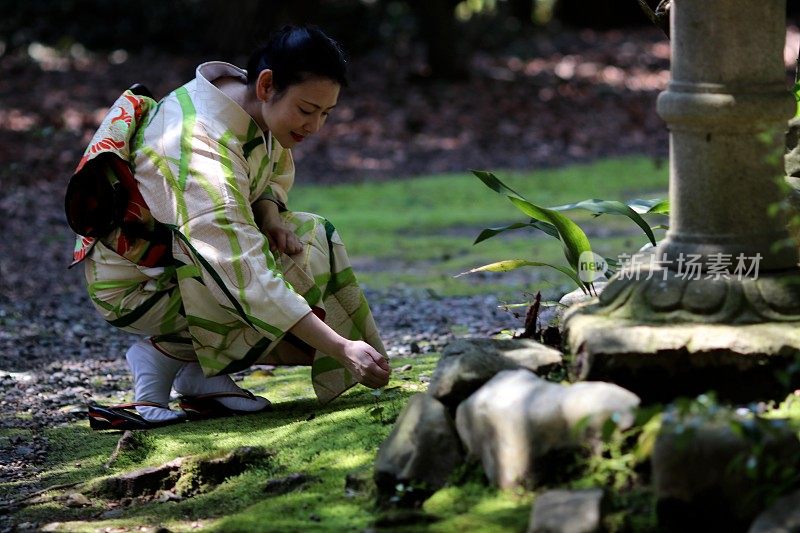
<point x="182" y="25"/>
<point x="448" y="31"/>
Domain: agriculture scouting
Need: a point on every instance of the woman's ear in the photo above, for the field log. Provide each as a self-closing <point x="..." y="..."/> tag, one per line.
<point x="264" y="88"/>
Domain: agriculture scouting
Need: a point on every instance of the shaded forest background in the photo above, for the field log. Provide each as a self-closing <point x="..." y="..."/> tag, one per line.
<point x="449" y="30"/>
<point x="436" y="85"/>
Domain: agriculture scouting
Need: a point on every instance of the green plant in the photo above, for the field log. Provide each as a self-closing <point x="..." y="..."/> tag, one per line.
<point x="766" y="460"/>
<point x="378" y="410"/>
<point x="617" y="460"/>
<point x="796" y="89"/>
<point x="612" y="461"/>
<point x="575" y="243"/>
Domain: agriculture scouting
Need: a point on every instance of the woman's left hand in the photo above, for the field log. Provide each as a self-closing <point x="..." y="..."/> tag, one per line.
<point x="280" y="238"/>
<point x="283" y="240"/>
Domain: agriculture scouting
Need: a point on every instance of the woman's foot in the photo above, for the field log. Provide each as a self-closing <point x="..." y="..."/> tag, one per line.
<point x="153" y="374"/>
<point x="191" y="381"/>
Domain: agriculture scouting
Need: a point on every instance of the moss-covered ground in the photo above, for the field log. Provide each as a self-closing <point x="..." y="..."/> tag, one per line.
<point x="327" y="443"/>
<point x="331" y="444"/>
<point x="417" y="233"/>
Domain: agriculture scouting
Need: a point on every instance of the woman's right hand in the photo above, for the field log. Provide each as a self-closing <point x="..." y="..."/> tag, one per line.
<point x="363" y="361"/>
<point x="366" y="364"/>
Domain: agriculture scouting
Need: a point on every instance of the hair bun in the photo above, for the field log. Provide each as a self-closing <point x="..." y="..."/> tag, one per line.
<point x="296" y="53"/>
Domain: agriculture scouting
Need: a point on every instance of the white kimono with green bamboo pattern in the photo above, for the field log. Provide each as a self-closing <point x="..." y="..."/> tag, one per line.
<point x="200" y="162"/>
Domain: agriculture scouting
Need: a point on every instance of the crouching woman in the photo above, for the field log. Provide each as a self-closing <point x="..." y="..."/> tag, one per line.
<point x="197" y="251"/>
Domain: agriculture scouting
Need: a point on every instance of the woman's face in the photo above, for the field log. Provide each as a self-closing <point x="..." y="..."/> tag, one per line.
<point x="300" y="110"/>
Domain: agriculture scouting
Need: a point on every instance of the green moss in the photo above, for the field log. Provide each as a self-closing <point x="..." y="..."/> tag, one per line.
<point x="191" y="481"/>
<point x="325" y="442"/>
<point x="457" y="200"/>
<point x="440" y="216"/>
<point x="76" y="453"/>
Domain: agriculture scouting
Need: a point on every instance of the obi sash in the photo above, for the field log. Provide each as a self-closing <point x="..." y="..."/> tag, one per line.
<point x="103" y="201"/>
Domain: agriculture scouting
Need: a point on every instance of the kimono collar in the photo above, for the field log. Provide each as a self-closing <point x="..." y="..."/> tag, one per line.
<point x="218" y="105"/>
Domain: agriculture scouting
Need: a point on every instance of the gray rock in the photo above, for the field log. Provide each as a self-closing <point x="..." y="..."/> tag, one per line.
<point x="567" y="511"/>
<point x="24" y="451"/>
<point x="466" y="364"/>
<point x="357" y="482"/>
<point x="792" y="158"/>
<point x="76" y="499"/>
<point x="421" y="451"/>
<point x="782" y="516"/>
<point x="717" y="471"/>
<point x="578" y="296"/>
<point x="517" y="418"/>
<point x="553" y="315"/>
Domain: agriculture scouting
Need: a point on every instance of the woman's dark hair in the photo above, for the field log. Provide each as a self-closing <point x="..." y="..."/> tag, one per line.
<point x="295" y="54"/>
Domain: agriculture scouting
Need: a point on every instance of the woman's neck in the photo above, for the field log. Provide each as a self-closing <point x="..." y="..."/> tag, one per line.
<point x="242" y="94"/>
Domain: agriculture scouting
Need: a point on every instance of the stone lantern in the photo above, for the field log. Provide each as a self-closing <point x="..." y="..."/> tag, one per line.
<point x="718" y="304"/>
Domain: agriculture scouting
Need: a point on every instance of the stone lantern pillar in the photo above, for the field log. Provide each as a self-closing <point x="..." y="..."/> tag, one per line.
<point x="718" y="305"/>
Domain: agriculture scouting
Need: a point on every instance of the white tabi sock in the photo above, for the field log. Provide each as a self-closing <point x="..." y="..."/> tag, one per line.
<point x="191" y="381"/>
<point x="153" y="374"/>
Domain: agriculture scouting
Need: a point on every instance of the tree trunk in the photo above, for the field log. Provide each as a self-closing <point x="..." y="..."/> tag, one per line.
<point x="522" y="11"/>
<point x="301" y="11"/>
<point x="240" y="30"/>
<point x="601" y="14"/>
<point x="793" y="11"/>
<point x="437" y="26"/>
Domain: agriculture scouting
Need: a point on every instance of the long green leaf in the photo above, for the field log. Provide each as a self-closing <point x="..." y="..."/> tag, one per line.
<point x="494" y="183"/>
<point x="655" y="206"/>
<point x="488" y="233"/>
<point x="612" y="266"/>
<point x="661" y="208"/>
<point x="545" y="227"/>
<point x="574" y="240"/>
<point x="611" y="207"/>
<point x="512" y="264"/>
<point x="797" y="97"/>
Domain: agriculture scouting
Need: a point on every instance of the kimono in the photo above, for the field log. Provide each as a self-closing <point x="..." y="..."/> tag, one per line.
<point x="186" y="263"/>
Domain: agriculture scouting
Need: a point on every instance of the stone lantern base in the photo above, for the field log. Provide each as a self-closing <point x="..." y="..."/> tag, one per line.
<point x="661" y="362"/>
<point x="666" y="336"/>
